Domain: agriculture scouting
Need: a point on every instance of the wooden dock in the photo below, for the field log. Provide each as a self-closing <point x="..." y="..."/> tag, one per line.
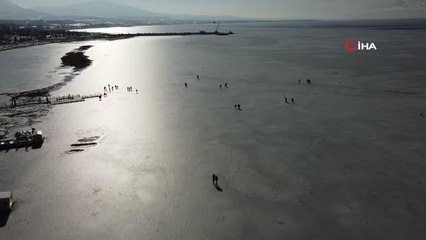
<point x="52" y="100"/>
<point x="72" y="98"/>
<point x="96" y="95"/>
<point x="67" y="99"/>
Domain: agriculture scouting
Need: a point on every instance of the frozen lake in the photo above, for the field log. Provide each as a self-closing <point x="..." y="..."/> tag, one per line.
<point x="347" y="161"/>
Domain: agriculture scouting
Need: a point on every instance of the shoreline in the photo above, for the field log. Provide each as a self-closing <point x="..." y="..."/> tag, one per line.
<point x="111" y="37"/>
<point x="21" y="113"/>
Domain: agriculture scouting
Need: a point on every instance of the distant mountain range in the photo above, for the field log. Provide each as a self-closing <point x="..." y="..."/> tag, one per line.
<point x="96" y="9"/>
<point x="12" y="11"/>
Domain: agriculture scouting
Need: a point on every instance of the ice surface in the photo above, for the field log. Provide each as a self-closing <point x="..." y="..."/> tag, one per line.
<point x="346" y="162"/>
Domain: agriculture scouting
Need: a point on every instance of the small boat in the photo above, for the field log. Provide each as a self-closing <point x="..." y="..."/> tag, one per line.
<point x="6" y="201"/>
<point x="23" y="140"/>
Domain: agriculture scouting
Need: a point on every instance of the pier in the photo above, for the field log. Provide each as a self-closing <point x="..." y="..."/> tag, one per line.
<point x="67" y="99"/>
<point x="73" y="98"/>
<point x="51" y="100"/>
<point x="180" y="34"/>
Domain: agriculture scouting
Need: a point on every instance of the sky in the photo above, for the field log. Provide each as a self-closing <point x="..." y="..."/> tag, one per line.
<point x="271" y="9"/>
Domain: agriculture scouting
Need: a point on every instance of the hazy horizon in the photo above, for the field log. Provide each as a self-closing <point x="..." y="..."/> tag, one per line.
<point x="269" y="9"/>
